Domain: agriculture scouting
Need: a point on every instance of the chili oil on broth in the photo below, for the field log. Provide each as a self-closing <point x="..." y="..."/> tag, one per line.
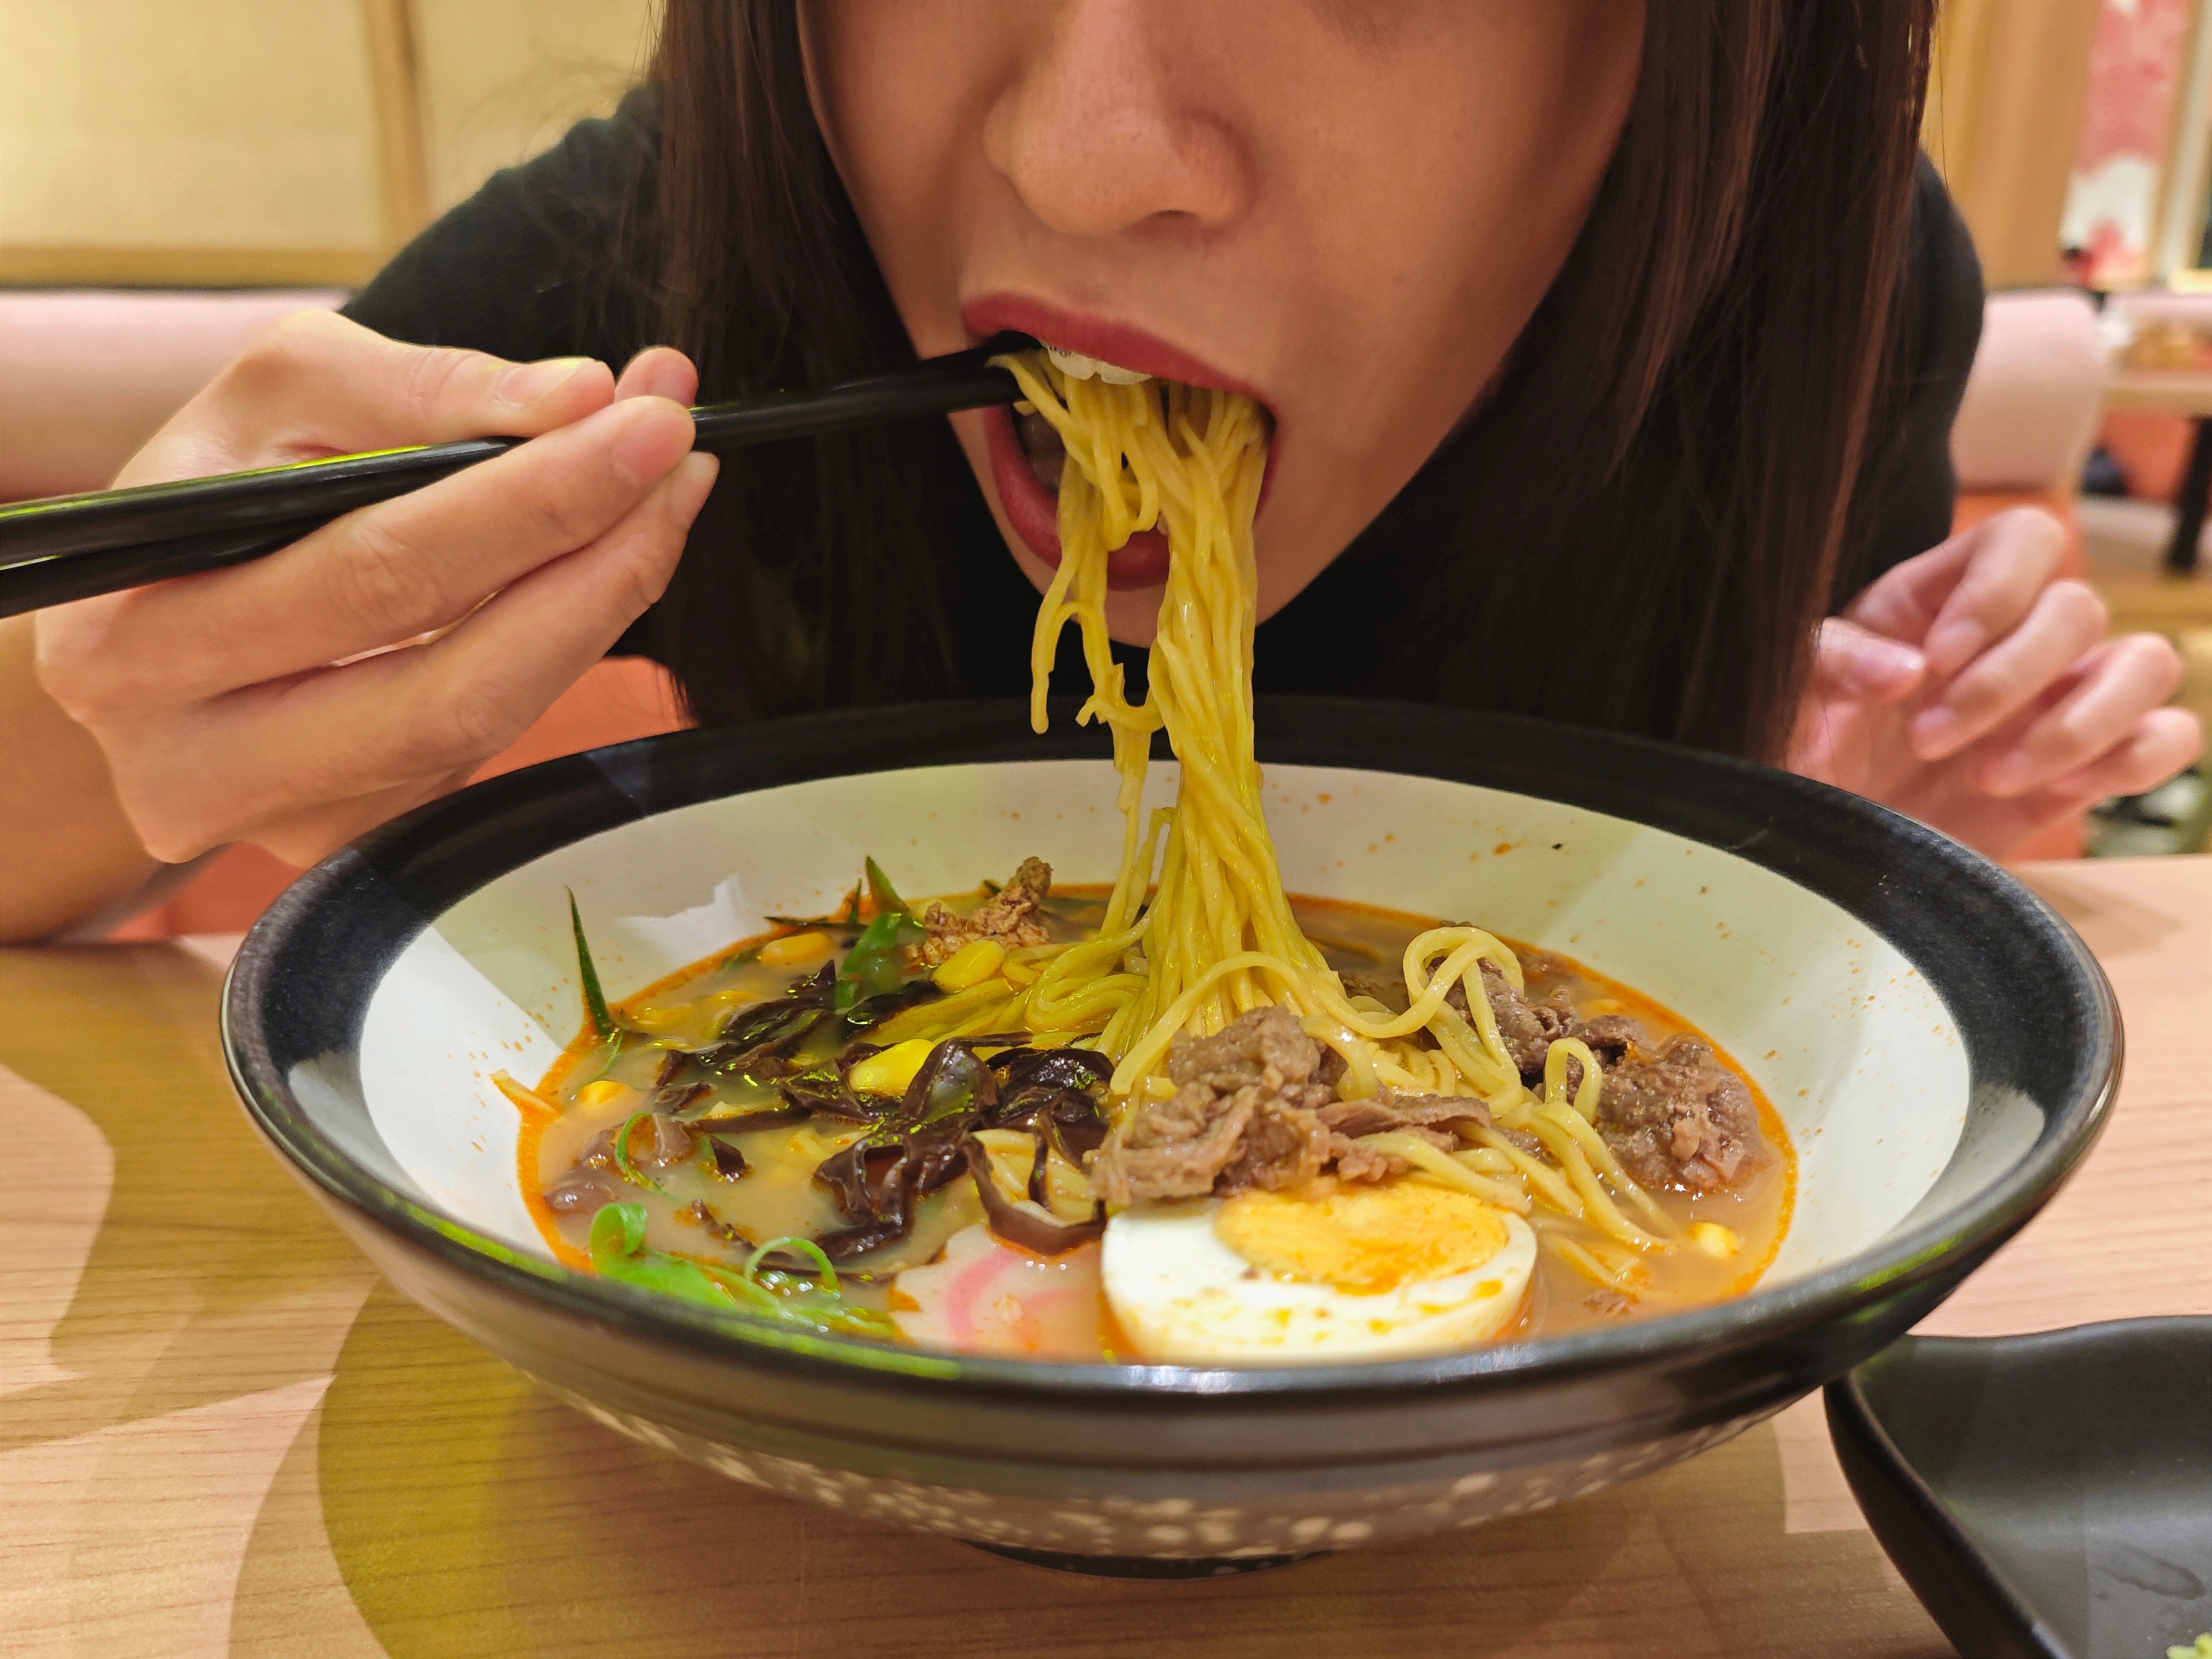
<point x="778" y="1196"/>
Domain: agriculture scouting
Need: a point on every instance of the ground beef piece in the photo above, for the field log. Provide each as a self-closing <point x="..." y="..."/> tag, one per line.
<point x="1245" y="1113"/>
<point x="1610" y="1038"/>
<point x="1009" y="916"/>
<point x="1389" y="989"/>
<point x="1528" y="1028"/>
<point x="1678" y="1118"/>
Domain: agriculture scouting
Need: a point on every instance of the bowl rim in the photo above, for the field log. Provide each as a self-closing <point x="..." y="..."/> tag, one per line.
<point x="431" y="858"/>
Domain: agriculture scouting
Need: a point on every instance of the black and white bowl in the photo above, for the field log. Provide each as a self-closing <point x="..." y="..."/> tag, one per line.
<point x="1942" y="1047"/>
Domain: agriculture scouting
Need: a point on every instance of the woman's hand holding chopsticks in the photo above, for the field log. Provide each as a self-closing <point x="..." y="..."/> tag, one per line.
<point x="296" y="701"/>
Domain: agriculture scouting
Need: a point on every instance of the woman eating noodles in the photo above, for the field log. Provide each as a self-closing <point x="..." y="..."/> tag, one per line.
<point x="1610" y="352"/>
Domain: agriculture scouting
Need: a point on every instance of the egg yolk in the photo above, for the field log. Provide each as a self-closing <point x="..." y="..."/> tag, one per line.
<point x="1362" y="1240"/>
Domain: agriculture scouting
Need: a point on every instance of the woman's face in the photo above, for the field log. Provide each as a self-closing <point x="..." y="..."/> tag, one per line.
<point x="1347" y="208"/>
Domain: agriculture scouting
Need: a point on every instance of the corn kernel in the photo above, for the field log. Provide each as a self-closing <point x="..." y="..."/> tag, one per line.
<point x="657" y="1019"/>
<point x="971" y="964"/>
<point x="605" y="1092"/>
<point x="1019" y="974"/>
<point x="1716" y="1240"/>
<point x="793" y="949"/>
<point x="890" y="1072"/>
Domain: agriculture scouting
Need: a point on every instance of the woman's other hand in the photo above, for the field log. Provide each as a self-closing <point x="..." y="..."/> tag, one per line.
<point x="1972" y="690"/>
<point x="297" y="701"/>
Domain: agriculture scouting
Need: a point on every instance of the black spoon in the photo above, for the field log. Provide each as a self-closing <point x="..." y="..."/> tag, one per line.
<point x="71" y="547"/>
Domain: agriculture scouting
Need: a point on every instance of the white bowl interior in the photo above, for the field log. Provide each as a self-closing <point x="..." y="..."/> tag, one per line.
<point x="1854" y="1049"/>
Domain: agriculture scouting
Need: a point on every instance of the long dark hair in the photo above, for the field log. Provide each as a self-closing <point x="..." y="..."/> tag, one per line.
<point x="1715" y="345"/>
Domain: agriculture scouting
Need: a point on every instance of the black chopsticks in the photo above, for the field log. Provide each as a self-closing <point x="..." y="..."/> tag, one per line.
<point x="71" y="547"/>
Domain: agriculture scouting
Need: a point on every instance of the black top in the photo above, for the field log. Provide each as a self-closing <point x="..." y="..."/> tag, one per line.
<point x="512" y="271"/>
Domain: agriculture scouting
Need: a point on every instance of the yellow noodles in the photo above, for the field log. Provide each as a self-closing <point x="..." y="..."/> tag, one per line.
<point x="1198" y="929"/>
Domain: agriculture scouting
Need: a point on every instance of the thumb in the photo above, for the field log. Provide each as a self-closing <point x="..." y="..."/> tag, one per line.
<point x="1854" y="664"/>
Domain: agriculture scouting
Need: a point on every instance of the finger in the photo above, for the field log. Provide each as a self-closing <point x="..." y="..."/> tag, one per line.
<point x="2063" y="622"/>
<point x="326" y="383"/>
<point x="2017" y="556"/>
<point x="302" y="751"/>
<point x="379" y="576"/>
<point x="1904" y="601"/>
<point x="659" y="372"/>
<point x="2116" y="685"/>
<point x="1852" y="664"/>
<point x="1996" y="566"/>
<point x="2162" y="743"/>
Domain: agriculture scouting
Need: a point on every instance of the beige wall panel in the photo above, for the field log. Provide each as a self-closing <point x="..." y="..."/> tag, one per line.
<point x="186" y="123"/>
<point x="2004" y="113"/>
<point x="502" y="79"/>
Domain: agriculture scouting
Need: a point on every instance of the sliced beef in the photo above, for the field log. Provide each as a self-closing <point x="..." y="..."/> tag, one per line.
<point x="1678" y="1118"/>
<point x="1245" y="1113"/>
<point x="1267" y="1046"/>
<point x="1355" y="1118"/>
<point x="1415" y="1115"/>
<point x="1257" y="1107"/>
<point x="1011" y="915"/>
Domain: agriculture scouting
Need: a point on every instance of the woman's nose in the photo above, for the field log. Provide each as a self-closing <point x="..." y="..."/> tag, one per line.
<point x="1101" y="131"/>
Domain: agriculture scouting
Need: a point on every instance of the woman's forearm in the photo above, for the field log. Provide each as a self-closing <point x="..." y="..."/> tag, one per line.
<point x="65" y="846"/>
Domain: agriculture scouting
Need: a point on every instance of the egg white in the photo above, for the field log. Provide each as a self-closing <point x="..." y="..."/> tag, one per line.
<point x="1183" y="1296"/>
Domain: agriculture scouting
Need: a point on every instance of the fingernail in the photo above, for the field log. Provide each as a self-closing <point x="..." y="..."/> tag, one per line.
<point x="527" y="382"/>
<point x="1934" y="733"/>
<point x="1882" y="664"/>
<point x="693" y="480"/>
<point x="649" y="447"/>
<point x="1951" y="645"/>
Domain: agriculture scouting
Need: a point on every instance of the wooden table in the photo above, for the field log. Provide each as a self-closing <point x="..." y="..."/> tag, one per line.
<point x="220" y="1434"/>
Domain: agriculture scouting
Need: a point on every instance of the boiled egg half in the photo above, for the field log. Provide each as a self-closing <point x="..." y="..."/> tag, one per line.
<point x="1331" y="1272"/>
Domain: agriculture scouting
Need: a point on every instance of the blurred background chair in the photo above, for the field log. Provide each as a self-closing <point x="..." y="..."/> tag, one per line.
<point x="2031" y="408"/>
<point x="2025" y="426"/>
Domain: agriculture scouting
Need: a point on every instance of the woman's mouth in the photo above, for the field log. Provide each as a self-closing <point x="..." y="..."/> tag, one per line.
<point x="1025" y="453"/>
<point x="1027" y="458"/>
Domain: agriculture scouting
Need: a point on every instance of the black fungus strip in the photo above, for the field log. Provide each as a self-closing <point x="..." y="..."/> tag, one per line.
<point x="673" y="1098"/>
<point x="1040" y="1165"/>
<point x="729" y="1162"/>
<point x="922" y="1145"/>
<point x="873" y="1011"/>
<point x="1025" y="1227"/>
<point x="825" y="1094"/>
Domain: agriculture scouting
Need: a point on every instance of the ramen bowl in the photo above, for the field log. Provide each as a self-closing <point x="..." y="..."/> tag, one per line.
<point x="1940" y="1046"/>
